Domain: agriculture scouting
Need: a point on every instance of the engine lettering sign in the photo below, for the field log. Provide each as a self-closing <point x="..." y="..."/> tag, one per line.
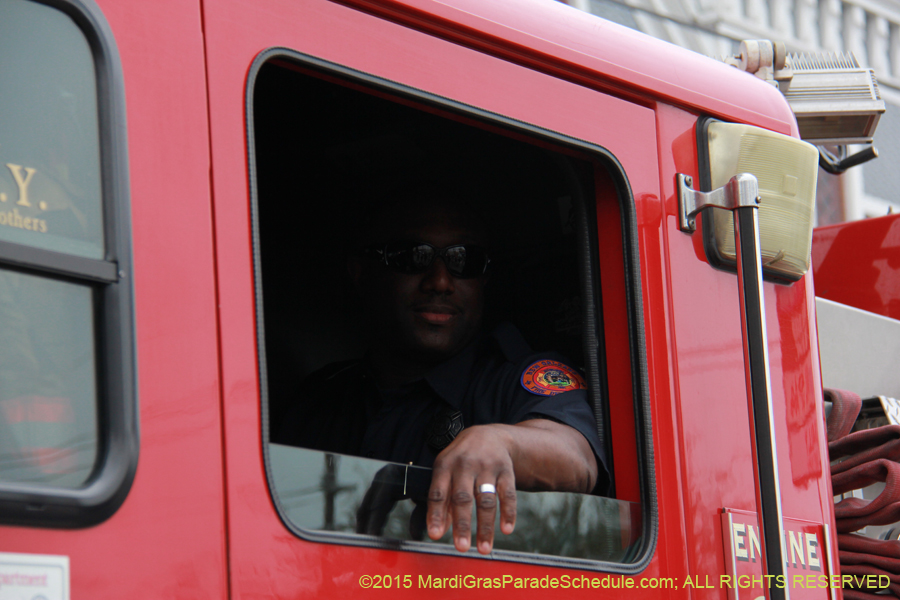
<point x="806" y="565"/>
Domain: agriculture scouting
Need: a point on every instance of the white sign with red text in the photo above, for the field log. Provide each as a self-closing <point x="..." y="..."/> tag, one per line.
<point x="34" y="577"/>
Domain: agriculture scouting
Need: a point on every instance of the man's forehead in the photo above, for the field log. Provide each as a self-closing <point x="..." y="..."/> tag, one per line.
<point x="436" y="234"/>
<point x="439" y="221"/>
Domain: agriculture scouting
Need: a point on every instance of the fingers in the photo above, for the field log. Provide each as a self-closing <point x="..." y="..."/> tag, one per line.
<point x="461" y="499"/>
<point x="454" y="494"/>
<point x="506" y="495"/>
<point x="487" y="503"/>
<point x="450" y="502"/>
<point x="438" y="503"/>
<point x="479" y="456"/>
<point x="486" y="511"/>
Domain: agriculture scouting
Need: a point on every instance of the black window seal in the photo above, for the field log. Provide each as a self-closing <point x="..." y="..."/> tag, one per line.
<point x="118" y="443"/>
<point x="643" y="553"/>
<point x="57" y="263"/>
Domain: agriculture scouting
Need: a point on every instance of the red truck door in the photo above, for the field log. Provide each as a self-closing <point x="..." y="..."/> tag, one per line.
<point x="277" y="72"/>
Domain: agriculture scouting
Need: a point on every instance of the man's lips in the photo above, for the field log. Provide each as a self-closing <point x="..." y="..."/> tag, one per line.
<point x="436" y="314"/>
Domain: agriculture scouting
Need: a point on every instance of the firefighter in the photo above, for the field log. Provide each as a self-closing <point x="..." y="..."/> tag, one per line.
<point x="434" y="390"/>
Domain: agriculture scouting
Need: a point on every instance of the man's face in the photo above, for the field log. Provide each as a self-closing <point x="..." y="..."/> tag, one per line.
<point x="429" y="316"/>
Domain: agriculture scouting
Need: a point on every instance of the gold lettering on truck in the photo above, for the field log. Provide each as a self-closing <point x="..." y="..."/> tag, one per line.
<point x="22" y="182"/>
<point x="12" y="218"/>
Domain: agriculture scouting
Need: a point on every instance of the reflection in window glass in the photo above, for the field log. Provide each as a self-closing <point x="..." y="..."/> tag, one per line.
<point x="50" y="193"/>
<point x="48" y="412"/>
<point x="329" y="492"/>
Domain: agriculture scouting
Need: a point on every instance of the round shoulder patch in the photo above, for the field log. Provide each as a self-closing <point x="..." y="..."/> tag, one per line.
<point x="551" y="377"/>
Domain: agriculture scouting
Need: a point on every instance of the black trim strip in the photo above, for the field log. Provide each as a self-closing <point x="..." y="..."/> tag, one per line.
<point x="643" y="552"/>
<point x="57" y="263"/>
<point x="768" y="490"/>
<point x="118" y="443"/>
<point x="592" y="312"/>
<point x="750" y="274"/>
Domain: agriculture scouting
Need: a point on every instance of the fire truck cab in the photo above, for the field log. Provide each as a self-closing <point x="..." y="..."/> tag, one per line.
<point x="178" y="187"/>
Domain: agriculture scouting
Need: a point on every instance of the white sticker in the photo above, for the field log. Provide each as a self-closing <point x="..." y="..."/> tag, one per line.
<point x="891" y="408"/>
<point x="34" y="577"/>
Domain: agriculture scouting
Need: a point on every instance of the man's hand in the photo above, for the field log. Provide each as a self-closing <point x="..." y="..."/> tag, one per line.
<point x="478" y="455"/>
<point x="537" y="454"/>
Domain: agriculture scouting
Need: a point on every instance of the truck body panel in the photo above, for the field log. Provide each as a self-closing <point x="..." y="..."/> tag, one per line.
<point x="200" y="520"/>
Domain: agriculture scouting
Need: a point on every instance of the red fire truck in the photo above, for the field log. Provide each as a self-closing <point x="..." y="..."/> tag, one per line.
<point x="177" y="188"/>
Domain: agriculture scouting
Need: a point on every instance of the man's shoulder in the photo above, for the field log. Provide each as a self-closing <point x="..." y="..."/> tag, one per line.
<point x="332" y="387"/>
<point x="324" y="409"/>
<point x="540" y="373"/>
<point x="510" y="342"/>
<point x="549" y="375"/>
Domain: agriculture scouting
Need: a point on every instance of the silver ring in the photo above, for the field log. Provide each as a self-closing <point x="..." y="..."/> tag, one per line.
<point x="487" y="488"/>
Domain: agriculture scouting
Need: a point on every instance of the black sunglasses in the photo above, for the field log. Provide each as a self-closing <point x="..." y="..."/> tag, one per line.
<point x="464" y="261"/>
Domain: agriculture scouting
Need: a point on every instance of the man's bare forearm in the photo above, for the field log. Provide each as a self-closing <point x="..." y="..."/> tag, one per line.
<point x="550" y="456"/>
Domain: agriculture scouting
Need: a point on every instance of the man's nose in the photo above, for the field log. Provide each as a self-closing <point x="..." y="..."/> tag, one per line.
<point x="437" y="278"/>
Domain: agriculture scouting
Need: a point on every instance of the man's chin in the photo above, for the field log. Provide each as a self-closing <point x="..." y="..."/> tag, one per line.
<point x="435" y="349"/>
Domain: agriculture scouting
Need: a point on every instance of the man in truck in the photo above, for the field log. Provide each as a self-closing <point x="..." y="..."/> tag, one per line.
<point x="482" y="409"/>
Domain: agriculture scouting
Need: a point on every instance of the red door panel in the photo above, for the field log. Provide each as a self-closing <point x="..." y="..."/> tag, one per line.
<point x="265" y="558"/>
<point x="168" y="538"/>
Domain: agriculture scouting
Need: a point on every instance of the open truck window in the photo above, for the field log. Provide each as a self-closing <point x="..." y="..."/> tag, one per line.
<point x="67" y="432"/>
<point x="327" y="148"/>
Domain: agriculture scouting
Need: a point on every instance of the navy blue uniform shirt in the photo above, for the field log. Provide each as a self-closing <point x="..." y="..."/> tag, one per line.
<point x="341" y="410"/>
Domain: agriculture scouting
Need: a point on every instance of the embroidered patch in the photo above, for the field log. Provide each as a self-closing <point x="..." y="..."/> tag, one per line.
<point x="550" y="377"/>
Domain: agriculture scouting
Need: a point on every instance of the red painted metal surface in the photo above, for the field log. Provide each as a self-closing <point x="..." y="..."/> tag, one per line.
<point x="168" y="538"/>
<point x="709" y="402"/>
<point x="710" y="388"/>
<point x="538" y="62"/>
<point x="265" y="557"/>
<point x="858" y="264"/>
<point x="570" y="44"/>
